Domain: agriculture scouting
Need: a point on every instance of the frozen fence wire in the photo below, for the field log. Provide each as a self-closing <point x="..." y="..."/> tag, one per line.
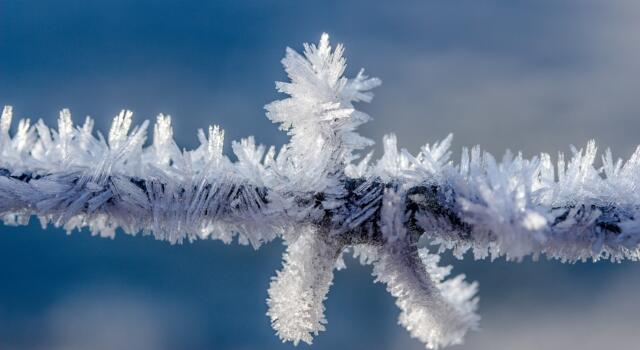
<point x="322" y="201"/>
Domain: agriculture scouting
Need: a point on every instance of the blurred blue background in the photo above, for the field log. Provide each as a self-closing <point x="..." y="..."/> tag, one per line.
<point x="526" y="75"/>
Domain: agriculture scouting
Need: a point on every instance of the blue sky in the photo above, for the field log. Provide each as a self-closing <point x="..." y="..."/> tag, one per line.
<point x="532" y="76"/>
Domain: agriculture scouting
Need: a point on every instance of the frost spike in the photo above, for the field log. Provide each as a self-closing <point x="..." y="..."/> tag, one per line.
<point x="65" y="132"/>
<point x="216" y="141"/>
<point x="5" y="125"/>
<point x="120" y="128"/>
<point x="5" y="121"/>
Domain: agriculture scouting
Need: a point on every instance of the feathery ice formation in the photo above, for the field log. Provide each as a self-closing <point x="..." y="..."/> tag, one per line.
<point x="315" y="196"/>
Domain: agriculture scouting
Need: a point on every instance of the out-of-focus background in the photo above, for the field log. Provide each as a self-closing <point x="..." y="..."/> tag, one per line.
<point x="527" y="75"/>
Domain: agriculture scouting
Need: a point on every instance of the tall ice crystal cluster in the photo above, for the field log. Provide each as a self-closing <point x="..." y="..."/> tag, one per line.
<point x="322" y="200"/>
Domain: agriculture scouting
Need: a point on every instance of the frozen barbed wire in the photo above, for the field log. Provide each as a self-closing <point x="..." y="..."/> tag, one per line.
<point x="322" y="201"/>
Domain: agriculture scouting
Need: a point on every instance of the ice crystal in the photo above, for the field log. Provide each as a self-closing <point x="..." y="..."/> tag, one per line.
<point x="322" y="201"/>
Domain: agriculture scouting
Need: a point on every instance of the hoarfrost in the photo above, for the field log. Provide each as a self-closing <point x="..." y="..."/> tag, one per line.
<point x="322" y="200"/>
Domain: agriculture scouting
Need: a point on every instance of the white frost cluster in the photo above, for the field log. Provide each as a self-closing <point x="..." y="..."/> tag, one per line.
<point x="316" y="195"/>
<point x="297" y="291"/>
<point x="319" y="113"/>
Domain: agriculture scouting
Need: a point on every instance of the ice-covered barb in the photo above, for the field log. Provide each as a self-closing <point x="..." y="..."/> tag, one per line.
<point x="319" y="113"/>
<point x="435" y="310"/>
<point x="321" y="203"/>
<point x="297" y="293"/>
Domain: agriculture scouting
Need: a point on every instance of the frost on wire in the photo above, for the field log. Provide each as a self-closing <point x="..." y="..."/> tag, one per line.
<point x="322" y="200"/>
